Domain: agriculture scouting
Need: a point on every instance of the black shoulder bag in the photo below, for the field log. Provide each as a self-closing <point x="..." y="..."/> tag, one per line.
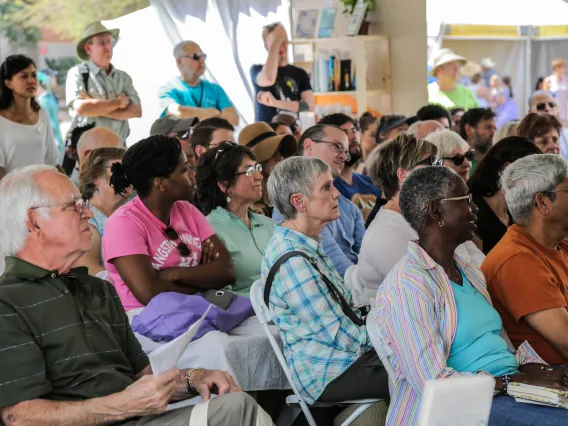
<point x="347" y="310"/>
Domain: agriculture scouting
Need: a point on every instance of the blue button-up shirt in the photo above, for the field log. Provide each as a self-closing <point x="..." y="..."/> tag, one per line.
<point x="342" y="238"/>
<point x="320" y="341"/>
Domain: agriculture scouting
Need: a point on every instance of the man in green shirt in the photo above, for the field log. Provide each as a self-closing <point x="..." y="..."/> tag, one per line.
<point x="67" y="353"/>
<point x="446" y="90"/>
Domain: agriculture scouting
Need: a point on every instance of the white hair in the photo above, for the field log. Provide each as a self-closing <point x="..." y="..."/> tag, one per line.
<point x="19" y="191"/>
<point x="413" y="129"/>
<point x="446" y="141"/>
<point x="506" y="130"/>
<point x="295" y="175"/>
<point x="528" y="176"/>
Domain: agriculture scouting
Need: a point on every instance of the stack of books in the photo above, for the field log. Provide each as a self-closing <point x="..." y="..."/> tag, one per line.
<point x="331" y="74"/>
<point x="538" y="395"/>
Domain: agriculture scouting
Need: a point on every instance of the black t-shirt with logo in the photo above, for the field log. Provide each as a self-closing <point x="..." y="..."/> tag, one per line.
<point x="290" y="82"/>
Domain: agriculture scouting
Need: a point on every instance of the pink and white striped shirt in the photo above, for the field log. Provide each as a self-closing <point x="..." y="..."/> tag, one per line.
<point x="417" y="317"/>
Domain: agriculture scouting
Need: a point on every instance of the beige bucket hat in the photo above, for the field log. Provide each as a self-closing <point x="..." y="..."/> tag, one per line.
<point x="92" y="30"/>
<point x="445" y="56"/>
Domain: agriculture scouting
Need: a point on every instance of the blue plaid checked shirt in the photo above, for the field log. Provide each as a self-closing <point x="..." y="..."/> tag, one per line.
<point x="320" y="341"/>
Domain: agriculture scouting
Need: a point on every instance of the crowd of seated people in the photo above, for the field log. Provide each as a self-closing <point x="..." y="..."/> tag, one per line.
<point x="441" y="217"/>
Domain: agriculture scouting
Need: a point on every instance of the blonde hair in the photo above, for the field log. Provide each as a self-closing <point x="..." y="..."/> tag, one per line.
<point x="558" y="63"/>
<point x="267" y="29"/>
<point x="446" y="141"/>
<point x="506" y="130"/>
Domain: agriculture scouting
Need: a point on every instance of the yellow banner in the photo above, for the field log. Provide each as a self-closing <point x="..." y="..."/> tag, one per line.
<point x="551" y="31"/>
<point x="482" y="31"/>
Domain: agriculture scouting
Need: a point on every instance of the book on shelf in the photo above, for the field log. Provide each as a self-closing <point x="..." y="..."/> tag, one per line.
<point x="331" y="74"/>
<point x="538" y="395"/>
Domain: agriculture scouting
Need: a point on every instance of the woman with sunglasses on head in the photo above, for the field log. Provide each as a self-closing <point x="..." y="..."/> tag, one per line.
<point x="103" y="201"/>
<point x="455" y="152"/>
<point x="493" y="216"/>
<point x="229" y="182"/>
<point x="387" y="236"/>
<point x="25" y="133"/>
<point x="435" y="313"/>
<point x="159" y="242"/>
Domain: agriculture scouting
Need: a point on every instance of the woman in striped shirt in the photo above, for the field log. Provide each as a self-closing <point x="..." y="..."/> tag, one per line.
<point x="436" y="315"/>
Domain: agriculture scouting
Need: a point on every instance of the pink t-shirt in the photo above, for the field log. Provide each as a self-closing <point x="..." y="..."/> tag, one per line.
<point x="132" y="229"/>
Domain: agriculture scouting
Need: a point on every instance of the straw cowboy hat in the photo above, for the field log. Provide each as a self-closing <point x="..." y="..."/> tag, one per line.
<point x="488" y="63"/>
<point x="92" y="30"/>
<point x="264" y="141"/>
<point x="445" y="56"/>
<point x="470" y="69"/>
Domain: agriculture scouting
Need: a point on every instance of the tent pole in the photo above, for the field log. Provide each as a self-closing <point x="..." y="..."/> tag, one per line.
<point x="528" y="67"/>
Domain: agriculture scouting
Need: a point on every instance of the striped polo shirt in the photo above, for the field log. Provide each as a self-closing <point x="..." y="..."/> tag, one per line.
<point x="62" y="337"/>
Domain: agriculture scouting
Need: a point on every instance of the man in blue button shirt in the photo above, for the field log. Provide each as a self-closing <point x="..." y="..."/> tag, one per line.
<point x="188" y="95"/>
<point x="341" y="238"/>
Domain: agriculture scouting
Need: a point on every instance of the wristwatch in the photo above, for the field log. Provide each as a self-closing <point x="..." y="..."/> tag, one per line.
<point x="190" y="388"/>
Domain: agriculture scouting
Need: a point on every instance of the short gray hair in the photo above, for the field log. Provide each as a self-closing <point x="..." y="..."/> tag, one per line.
<point x="528" y="176"/>
<point x="420" y="187"/>
<point x="294" y="175"/>
<point x="446" y="141"/>
<point x="178" y="49"/>
<point x="19" y="191"/>
<point x="538" y="93"/>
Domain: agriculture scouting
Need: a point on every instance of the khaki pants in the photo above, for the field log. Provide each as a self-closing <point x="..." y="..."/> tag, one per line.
<point x="234" y="409"/>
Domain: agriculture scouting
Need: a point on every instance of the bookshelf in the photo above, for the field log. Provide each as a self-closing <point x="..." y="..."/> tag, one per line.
<point x="370" y="60"/>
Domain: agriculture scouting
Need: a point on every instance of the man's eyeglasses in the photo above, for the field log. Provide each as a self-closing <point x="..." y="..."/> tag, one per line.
<point x="196" y="56"/>
<point x="172" y="235"/>
<point x="458" y="159"/>
<point x="78" y="204"/>
<point x="550" y="191"/>
<point x="430" y="161"/>
<point x="338" y="148"/>
<point x="249" y="171"/>
<point x="468" y="198"/>
<point x="103" y="43"/>
<point x="541" y="106"/>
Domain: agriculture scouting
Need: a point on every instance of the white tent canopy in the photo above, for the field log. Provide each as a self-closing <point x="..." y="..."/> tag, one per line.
<point x="521" y="36"/>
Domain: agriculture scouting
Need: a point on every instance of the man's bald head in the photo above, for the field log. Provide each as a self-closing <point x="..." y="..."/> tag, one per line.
<point x="98" y="137"/>
<point x="190" y="60"/>
<point x="421" y="129"/>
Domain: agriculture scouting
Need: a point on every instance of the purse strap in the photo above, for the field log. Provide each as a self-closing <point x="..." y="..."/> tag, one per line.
<point x="336" y="294"/>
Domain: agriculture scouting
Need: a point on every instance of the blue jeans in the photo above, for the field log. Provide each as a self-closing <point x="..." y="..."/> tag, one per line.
<point x="505" y="411"/>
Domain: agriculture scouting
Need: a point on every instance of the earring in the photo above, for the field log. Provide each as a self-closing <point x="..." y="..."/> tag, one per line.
<point x="97" y="191"/>
<point x="441" y="223"/>
<point x="228" y="199"/>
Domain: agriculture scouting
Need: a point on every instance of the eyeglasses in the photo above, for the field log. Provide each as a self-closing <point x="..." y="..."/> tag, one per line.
<point x="184" y="135"/>
<point x="338" y="148"/>
<point x="468" y="198"/>
<point x="172" y="235"/>
<point x="458" y="159"/>
<point x="196" y="56"/>
<point x="249" y="171"/>
<point x="103" y="43"/>
<point x="430" y="161"/>
<point x="79" y="204"/>
<point x="555" y="190"/>
<point x="541" y="106"/>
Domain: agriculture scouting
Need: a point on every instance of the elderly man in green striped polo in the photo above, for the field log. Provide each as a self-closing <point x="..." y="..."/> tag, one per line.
<point x="97" y="92"/>
<point x="67" y="353"/>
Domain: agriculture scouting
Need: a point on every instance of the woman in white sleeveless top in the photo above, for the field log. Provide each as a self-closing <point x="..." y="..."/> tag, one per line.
<point x="557" y="81"/>
<point x="25" y="134"/>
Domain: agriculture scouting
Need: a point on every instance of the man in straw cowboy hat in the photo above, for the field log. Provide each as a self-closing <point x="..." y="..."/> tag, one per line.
<point x="269" y="149"/>
<point x="445" y="90"/>
<point x="95" y="90"/>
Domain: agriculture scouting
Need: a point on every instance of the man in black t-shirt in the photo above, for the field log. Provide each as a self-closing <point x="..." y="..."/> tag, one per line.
<point x="279" y="86"/>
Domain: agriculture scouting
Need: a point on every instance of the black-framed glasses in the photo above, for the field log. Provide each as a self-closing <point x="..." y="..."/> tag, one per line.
<point x="458" y="159"/>
<point x="430" y="161"/>
<point x="338" y="147"/>
<point x="467" y="198"/>
<point x="184" y="135"/>
<point x="196" y="56"/>
<point x="78" y="204"/>
<point x="541" y="106"/>
<point x="172" y="235"/>
<point x="249" y="171"/>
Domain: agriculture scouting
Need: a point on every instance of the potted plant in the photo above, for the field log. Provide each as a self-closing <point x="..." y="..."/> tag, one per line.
<point x="349" y="7"/>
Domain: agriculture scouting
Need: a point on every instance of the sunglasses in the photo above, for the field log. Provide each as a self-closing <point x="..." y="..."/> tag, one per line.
<point x="184" y="135"/>
<point x="196" y="56"/>
<point x="541" y="106"/>
<point x="172" y="235"/>
<point x="249" y="171"/>
<point x="458" y="159"/>
<point x="430" y="161"/>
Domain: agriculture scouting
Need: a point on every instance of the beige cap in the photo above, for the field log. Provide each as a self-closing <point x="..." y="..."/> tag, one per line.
<point x="445" y="56"/>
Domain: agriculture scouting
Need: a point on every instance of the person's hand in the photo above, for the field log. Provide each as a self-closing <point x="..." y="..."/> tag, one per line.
<point x="266" y="98"/>
<point x="150" y="394"/>
<point x="212" y="112"/>
<point x="278" y="39"/>
<point x="124" y="101"/>
<point x="220" y="382"/>
<point x="84" y="95"/>
<point x="544" y="376"/>
<point x="209" y="252"/>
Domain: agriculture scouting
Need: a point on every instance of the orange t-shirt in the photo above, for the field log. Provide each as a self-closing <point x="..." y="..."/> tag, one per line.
<point x="524" y="277"/>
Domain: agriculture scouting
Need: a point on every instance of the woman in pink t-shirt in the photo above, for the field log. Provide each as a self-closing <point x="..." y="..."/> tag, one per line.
<point x="159" y="242"/>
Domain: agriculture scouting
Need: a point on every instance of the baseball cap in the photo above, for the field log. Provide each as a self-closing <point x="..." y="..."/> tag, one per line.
<point x="168" y="123"/>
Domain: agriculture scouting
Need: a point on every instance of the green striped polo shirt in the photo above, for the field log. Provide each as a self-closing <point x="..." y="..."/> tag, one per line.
<point x="62" y="337"/>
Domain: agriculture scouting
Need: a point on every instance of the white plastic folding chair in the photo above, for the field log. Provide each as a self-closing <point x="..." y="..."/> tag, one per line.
<point x="383" y="350"/>
<point x="263" y="315"/>
<point x="354" y="284"/>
